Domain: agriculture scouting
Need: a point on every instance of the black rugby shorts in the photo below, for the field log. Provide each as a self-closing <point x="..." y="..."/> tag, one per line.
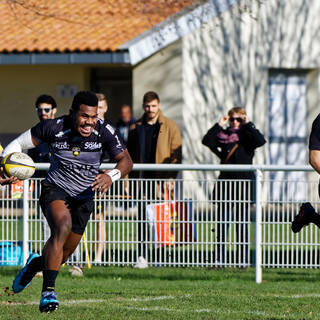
<point x="80" y="209"/>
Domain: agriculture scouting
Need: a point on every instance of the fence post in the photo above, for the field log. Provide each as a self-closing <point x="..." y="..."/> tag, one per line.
<point x="25" y="235"/>
<point x="258" y="175"/>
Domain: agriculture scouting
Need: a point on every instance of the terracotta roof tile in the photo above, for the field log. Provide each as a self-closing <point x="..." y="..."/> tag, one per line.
<point x="73" y="25"/>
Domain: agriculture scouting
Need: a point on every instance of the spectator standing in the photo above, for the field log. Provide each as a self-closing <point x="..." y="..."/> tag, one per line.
<point x="152" y="139"/>
<point x="233" y="139"/>
<point x="99" y="216"/>
<point x="125" y="121"/>
<point x="46" y="108"/>
<point x="102" y="105"/>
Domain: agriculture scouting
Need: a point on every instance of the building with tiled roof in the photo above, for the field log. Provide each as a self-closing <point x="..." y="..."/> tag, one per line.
<point x="202" y="57"/>
<point x="79" y="26"/>
<point x="59" y="47"/>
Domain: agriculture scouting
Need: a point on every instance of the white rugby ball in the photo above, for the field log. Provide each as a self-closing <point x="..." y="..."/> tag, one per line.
<point x="18" y="164"/>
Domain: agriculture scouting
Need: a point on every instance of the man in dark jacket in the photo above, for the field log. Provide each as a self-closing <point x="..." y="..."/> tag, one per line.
<point x="234" y="144"/>
<point x="153" y="139"/>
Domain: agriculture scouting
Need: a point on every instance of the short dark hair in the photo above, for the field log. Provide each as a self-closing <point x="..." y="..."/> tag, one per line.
<point x="84" y="97"/>
<point x="45" y="98"/>
<point x="149" y="96"/>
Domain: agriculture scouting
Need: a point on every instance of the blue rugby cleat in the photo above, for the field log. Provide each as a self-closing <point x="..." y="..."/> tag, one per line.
<point x="16" y="285"/>
<point x="48" y="302"/>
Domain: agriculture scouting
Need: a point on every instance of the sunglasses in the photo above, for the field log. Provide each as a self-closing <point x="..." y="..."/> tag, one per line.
<point x="232" y="119"/>
<point x="46" y="110"/>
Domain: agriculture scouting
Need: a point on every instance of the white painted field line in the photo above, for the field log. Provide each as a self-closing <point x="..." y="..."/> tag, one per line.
<point x="65" y="302"/>
<point x="215" y="311"/>
<point x="151" y="298"/>
<point x="154" y="308"/>
<point x="157" y="298"/>
<point x="297" y="296"/>
<point x="81" y="301"/>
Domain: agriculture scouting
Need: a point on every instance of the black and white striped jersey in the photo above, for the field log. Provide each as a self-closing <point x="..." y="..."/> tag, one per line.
<point x="75" y="160"/>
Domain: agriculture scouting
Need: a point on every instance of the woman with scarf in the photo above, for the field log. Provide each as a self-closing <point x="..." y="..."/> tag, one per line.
<point x="233" y="139"/>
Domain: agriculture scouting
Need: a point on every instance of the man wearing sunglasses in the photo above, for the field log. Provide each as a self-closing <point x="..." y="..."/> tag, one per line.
<point x="46" y="107"/>
<point x="233" y="139"/>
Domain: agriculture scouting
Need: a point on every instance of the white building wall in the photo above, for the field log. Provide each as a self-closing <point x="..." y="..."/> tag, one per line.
<point x="161" y="73"/>
<point x="226" y="63"/>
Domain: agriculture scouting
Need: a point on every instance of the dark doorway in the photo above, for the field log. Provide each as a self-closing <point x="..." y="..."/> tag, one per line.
<point x="116" y="84"/>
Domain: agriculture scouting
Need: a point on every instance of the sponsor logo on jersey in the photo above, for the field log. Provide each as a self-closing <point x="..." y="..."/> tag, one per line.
<point x="76" y="151"/>
<point x="92" y="145"/>
<point x="61" y="145"/>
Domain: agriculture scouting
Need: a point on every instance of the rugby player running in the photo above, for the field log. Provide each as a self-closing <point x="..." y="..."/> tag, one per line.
<point x="76" y="143"/>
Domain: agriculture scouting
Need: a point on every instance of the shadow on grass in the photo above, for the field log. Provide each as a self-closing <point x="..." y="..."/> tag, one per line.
<point x="170" y="274"/>
<point x="152" y="273"/>
<point x="292" y="275"/>
<point x="187" y="274"/>
<point x="204" y="274"/>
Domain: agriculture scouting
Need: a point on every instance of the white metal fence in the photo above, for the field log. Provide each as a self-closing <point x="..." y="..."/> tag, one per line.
<point x="203" y="223"/>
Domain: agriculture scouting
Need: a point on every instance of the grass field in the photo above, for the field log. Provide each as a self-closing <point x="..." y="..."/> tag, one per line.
<point x="167" y="293"/>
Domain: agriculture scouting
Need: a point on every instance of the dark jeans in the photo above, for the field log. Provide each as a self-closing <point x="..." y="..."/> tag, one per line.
<point x="238" y="218"/>
<point x="146" y="194"/>
<point x="233" y="199"/>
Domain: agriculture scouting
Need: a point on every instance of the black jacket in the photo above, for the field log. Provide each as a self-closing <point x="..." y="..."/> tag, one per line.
<point x="250" y="138"/>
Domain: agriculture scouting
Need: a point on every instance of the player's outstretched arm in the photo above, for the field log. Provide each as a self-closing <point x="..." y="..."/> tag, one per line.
<point x="103" y="181"/>
<point x="24" y="141"/>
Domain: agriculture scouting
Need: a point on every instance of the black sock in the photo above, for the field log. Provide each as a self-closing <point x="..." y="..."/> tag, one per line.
<point x="49" y="280"/>
<point x="33" y="267"/>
